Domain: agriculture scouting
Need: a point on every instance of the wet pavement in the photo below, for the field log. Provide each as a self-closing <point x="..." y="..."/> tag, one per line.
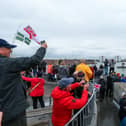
<point x="107" y="113"/>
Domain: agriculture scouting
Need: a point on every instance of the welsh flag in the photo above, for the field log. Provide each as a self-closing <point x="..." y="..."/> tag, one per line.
<point x="23" y="38"/>
<point x="20" y="36"/>
<point x="30" y="31"/>
<point x="27" y="35"/>
<point x="32" y="34"/>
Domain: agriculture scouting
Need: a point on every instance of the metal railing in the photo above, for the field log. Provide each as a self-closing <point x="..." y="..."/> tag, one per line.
<point x="86" y="116"/>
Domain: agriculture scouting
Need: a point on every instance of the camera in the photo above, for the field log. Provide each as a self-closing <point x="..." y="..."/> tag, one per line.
<point x="80" y="77"/>
<point x="80" y="74"/>
<point x="79" y="80"/>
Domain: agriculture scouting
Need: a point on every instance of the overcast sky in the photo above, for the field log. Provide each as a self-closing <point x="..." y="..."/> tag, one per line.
<point x="72" y="28"/>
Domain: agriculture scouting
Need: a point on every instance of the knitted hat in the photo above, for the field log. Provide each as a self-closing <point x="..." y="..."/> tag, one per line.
<point x="64" y="82"/>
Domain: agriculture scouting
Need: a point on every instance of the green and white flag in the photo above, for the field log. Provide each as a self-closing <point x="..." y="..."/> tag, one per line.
<point x="23" y="38"/>
<point x="20" y="36"/>
<point x="27" y="41"/>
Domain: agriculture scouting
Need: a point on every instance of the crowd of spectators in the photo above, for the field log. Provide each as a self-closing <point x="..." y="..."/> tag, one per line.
<point x="71" y="92"/>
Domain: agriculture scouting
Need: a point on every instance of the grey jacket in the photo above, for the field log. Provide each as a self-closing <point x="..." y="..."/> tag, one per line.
<point x="12" y="89"/>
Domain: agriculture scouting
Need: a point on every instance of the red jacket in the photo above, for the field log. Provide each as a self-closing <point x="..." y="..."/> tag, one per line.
<point x="39" y="90"/>
<point x="63" y="103"/>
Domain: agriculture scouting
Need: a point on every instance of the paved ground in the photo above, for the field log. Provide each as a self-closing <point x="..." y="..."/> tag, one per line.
<point x="107" y="113"/>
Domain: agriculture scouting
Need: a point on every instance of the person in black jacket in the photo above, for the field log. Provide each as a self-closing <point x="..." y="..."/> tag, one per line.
<point x="12" y="89"/>
<point x="109" y="90"/>
<point x="78" y="76"/>
<point x="102" y="88"/>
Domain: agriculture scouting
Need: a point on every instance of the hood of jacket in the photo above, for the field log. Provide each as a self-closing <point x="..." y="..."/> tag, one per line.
<point x="58" y="94"/>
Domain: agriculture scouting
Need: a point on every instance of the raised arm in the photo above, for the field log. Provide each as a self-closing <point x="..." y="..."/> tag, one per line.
<point x="20" y="64"/>
<point x="27" y="78"/>
<point x="73" y="103"/>
<point x="75" y="85"/>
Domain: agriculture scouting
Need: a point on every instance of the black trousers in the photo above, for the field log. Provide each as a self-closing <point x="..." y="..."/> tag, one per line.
<point x="20" y="120"/>
<point x="109" y="91"/>
<point x="35" y="100"/>
<point x="102" y="92"/>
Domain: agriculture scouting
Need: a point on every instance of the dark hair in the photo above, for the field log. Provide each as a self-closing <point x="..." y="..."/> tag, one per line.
<point x="60" y="61"/>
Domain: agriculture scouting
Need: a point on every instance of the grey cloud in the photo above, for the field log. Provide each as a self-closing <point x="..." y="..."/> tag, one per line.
<point x="90" y="27"/>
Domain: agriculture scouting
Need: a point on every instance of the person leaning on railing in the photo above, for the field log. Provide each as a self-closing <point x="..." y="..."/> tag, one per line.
<point x="78" y="76"/>
<point x="12" y="89"/>
<point x="64" y="102"/>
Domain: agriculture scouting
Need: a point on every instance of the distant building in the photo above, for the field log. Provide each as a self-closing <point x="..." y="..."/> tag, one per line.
<point x="70" y="61"/>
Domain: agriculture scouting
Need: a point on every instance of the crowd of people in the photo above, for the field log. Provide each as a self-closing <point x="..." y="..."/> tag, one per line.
<point x="71" y="92"/>
<point x="13" y="91"/>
